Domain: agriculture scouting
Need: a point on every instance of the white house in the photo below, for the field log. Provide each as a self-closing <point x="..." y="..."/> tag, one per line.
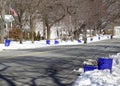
<point x="117" y="31"/>
<point x="8" y="22"/>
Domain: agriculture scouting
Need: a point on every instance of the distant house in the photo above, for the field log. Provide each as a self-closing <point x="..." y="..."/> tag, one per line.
<point x="117" y="31"/>
<point x="8" y="23"/>
<point x="8" y="20"/>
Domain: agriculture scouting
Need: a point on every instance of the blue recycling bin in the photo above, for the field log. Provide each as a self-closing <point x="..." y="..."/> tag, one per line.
<point x="91" y="39"/>
<point x="7" y="42"/>
<point x="79" y="41"/>
<point x="99" y="37"/>
<point x="47" y="41"/>
<point x="105" y="63"/>
<point x="56" y="42"/>
<point x="89" y="68"/>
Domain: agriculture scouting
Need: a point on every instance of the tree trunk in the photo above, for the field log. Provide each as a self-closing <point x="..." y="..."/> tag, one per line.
<point x="32" y="30"/>
<point x="2" y="33"/>
<point x="21" y="34"/>
<point x="44" y="29"/>
<point x="76" y="35"/>
<point x="48" y="32"/>
<point x="2" y="25"/>
<point x="85" y="35"/>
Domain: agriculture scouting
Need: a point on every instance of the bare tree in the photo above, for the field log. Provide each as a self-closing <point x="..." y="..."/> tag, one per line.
<point x="112" y="9"/>
<point x="20" y="8"/>
<point x="32" y="11"/>
<point x="26" y="14"/>
<point x="80" y="14"/>
<point x="77" y="15"/>
<point x="52" y="12"/>
<point x="2" y="20"/>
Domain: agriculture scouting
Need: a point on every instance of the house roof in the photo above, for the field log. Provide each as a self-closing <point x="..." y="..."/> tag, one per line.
<point x="8" y="18"/>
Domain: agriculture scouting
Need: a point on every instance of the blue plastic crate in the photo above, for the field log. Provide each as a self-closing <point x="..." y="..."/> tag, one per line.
<point x="105" y="63"/>
<point x="56" y="42"/>
<point x="89" y="68"/>
<point x="7" y="42"/>
<point x="47" y="41"/>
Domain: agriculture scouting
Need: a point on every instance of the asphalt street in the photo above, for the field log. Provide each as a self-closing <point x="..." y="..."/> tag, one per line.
<point x="51" y="66"/>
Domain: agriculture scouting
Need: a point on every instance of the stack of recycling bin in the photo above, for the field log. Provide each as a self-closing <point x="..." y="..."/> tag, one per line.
<point x="102" y="63"/>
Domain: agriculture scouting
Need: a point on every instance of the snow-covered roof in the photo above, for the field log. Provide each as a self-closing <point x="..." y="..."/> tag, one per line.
<point x="117" y="27"/>
<point x="8" y="18"/>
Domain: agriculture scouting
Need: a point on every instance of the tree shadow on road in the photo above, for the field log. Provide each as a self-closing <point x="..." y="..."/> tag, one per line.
<point x="2" y="77"/>
<point x="36" y="71"/>
<point x="52" y="73"/>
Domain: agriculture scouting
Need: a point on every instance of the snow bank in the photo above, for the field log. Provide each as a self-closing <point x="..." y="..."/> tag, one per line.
<point x="42" y="43"/>
<point x="101" y="77"/>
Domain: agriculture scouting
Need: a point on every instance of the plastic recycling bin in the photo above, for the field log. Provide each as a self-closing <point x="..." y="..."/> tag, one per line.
<point x="56" y="42"/>
<point x="99" y="37"/>
<point x="47" y="41"/>
<point x="91" y="39"/>
<point x="79" y="41"/>
<point x="89" y="68"/>
<point x="105" y="63"/>
<point x="7" y="42"/>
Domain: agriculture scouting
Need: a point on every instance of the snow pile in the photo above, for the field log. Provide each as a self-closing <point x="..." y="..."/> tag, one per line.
<point x="101" y="77"/>
<point x="36" y="44"/>
<point x="97" y="78"/>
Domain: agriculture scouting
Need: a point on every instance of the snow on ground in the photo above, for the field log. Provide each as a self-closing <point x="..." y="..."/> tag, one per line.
<point x="89" y="78"/>
<point x="42" y="43"/>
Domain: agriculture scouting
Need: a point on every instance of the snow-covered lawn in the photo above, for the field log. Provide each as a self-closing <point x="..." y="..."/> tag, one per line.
<point x="42" y="43"/>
